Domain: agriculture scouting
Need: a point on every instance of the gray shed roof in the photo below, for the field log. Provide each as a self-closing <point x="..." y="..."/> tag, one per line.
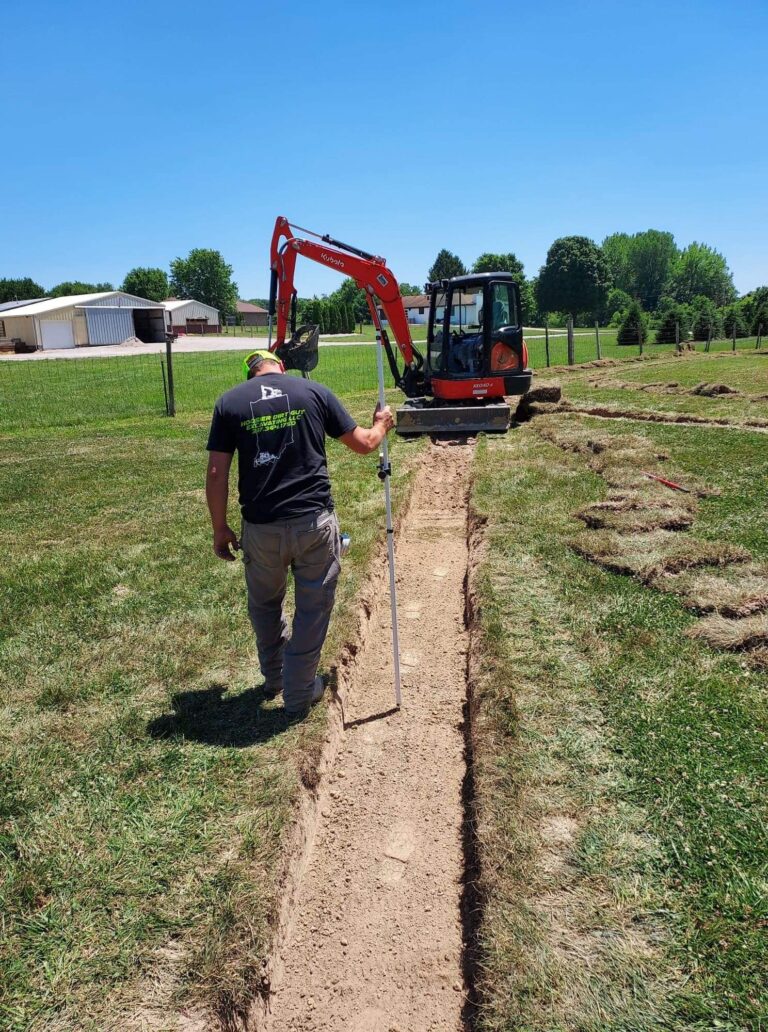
<point x="7" y="305"/>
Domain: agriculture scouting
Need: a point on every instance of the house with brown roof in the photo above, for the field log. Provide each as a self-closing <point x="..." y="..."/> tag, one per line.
<point x="416" y="308"/>
<point x="251" y="315"/>
<point x="464" y="309"/>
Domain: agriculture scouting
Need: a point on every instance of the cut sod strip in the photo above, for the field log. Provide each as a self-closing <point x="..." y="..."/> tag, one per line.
<point x="375" y="940"/>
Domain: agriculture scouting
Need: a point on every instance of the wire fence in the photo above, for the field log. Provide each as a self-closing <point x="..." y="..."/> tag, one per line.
<point x="47" y="392"/>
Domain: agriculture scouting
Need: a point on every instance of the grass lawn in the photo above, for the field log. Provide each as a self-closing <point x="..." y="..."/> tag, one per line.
<point x="620" y="765"/>
<point x="68" y="392"/>
<point x="144" y="783"/>
<point x="666" y="385"/>
<point x="585" y="347"/>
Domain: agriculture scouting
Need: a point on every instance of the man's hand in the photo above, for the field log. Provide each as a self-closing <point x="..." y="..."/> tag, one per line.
<point x="222" y="540"/>
<point x="365" y="441"/>
<point x="384" y="416"/>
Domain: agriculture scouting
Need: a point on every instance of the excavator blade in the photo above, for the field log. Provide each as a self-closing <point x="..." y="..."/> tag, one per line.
<point x="419" y="416"/>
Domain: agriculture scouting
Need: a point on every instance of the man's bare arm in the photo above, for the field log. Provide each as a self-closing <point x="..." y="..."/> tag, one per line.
<point x="217" y="495"/>
<point x="364" y="441"/>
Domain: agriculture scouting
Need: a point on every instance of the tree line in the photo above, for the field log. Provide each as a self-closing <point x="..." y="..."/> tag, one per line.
<point x="642" y="279"/>
<point x="637" y="282"/>
<point x="202" y="275"/>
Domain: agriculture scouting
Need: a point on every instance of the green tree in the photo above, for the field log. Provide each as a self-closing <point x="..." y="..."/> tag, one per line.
<point x="349" y="293"/>
<point x="700" y="269"/>
<point x="205" y="276"/>
<point x="78" y="287"/>
<point x="616" y="249"/>
<point x="617" y="302"/>
<point x="641" y="264"/>
<point x="634" y="326"/>
<point x="528" y="303"/>
<point x="653" y="254"/>
<point x="24" y="289"/>
<point x="146" y="282"/>
<point x="409" y="290"/>
<point x="446" y="266"/>
<point x="706" y="319"/>
<point x="755" y="306"/>
<point x="508" y="262"/>
<point x="311" y="312"/>
<point x="734" y="323"/>
<point x="574" y="278"/>
<point x="674" y="319"/>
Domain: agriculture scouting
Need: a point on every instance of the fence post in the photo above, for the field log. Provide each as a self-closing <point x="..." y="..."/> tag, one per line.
<point x="569" y="327"/>
<point x="709" y="338"/>
<point x="640" y="335"/>
<point x="597" y="340"/>
<point x="759" y="335"/>
<point x="733" y="331"/>
<point x="165" y="386"/>
<point x="546" y="339"/>
<point x="677" y="335"/>
<point x="169" y="364"/>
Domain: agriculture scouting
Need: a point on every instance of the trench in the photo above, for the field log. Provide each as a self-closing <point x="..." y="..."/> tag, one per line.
<point x="378" y="920"/>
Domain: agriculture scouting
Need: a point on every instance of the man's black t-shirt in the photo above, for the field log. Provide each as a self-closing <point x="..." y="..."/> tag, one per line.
<point x="277" y="424"/>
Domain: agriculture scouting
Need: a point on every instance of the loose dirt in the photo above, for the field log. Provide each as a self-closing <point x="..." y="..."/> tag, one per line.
<point x="375" y="943"/>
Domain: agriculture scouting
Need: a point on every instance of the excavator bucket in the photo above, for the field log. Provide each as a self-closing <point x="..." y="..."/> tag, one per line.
<point x="420" y="416"/>
<point x="300" y="352"/>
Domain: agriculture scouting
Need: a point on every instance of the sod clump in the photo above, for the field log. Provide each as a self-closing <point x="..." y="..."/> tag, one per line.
<point x="635" y="532"/>
<point x="734" y="591"/>
<point x="713" y="390"/>
<point x="539" y="401"/>
<point x="745" y="635"/>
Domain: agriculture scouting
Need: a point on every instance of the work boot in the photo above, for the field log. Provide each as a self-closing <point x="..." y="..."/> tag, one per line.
<point x="271" y="691"/>
<point x="318" y="690"/>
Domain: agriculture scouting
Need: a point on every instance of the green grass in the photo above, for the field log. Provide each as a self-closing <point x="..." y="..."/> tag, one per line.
<point x="144" y="784"/>
<point x="585" y="347"/>
<point x="594" y="708"/>
<point x="69" y="392"/>
<point x="418" y="332"/>
<point x="746" y="372"/>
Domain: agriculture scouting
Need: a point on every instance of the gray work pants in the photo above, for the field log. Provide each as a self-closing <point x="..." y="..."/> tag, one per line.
<point x="310" y="547"/>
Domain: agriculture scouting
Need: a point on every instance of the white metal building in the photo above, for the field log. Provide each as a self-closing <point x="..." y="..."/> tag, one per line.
<point x="190" y="316"/>
<point x="84" y="319"/>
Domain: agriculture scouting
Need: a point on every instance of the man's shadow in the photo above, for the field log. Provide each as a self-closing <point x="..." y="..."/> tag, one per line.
<point x="215" y="718"/>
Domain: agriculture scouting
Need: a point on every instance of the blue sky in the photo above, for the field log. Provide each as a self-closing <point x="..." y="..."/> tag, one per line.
<point x="134" y="132"/>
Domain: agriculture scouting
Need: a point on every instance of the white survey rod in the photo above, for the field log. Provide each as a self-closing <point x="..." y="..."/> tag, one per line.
<point x="384" y="465"/>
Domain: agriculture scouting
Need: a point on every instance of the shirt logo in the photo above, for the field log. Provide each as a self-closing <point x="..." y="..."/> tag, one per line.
<point x="270" y="392"/>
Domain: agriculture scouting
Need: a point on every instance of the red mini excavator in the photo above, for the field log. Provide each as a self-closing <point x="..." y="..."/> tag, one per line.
<point x="475" y="353"/>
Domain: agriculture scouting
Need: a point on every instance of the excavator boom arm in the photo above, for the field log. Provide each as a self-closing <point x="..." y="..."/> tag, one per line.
<point x="368" y="272"/>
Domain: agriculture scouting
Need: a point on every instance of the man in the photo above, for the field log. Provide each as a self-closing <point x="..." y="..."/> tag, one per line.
<point x="277" y="425"/>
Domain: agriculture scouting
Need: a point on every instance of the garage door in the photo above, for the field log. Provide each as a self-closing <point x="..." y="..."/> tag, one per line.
<point x="109" y="325"/>
<point x="56" y="333"/>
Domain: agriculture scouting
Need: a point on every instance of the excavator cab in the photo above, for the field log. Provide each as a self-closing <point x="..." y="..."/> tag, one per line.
<point x="475" y="356"/>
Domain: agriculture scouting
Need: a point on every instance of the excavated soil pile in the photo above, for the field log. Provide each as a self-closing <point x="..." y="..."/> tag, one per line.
<point x="375" y="940"/>
<point x="636" y="531"/>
